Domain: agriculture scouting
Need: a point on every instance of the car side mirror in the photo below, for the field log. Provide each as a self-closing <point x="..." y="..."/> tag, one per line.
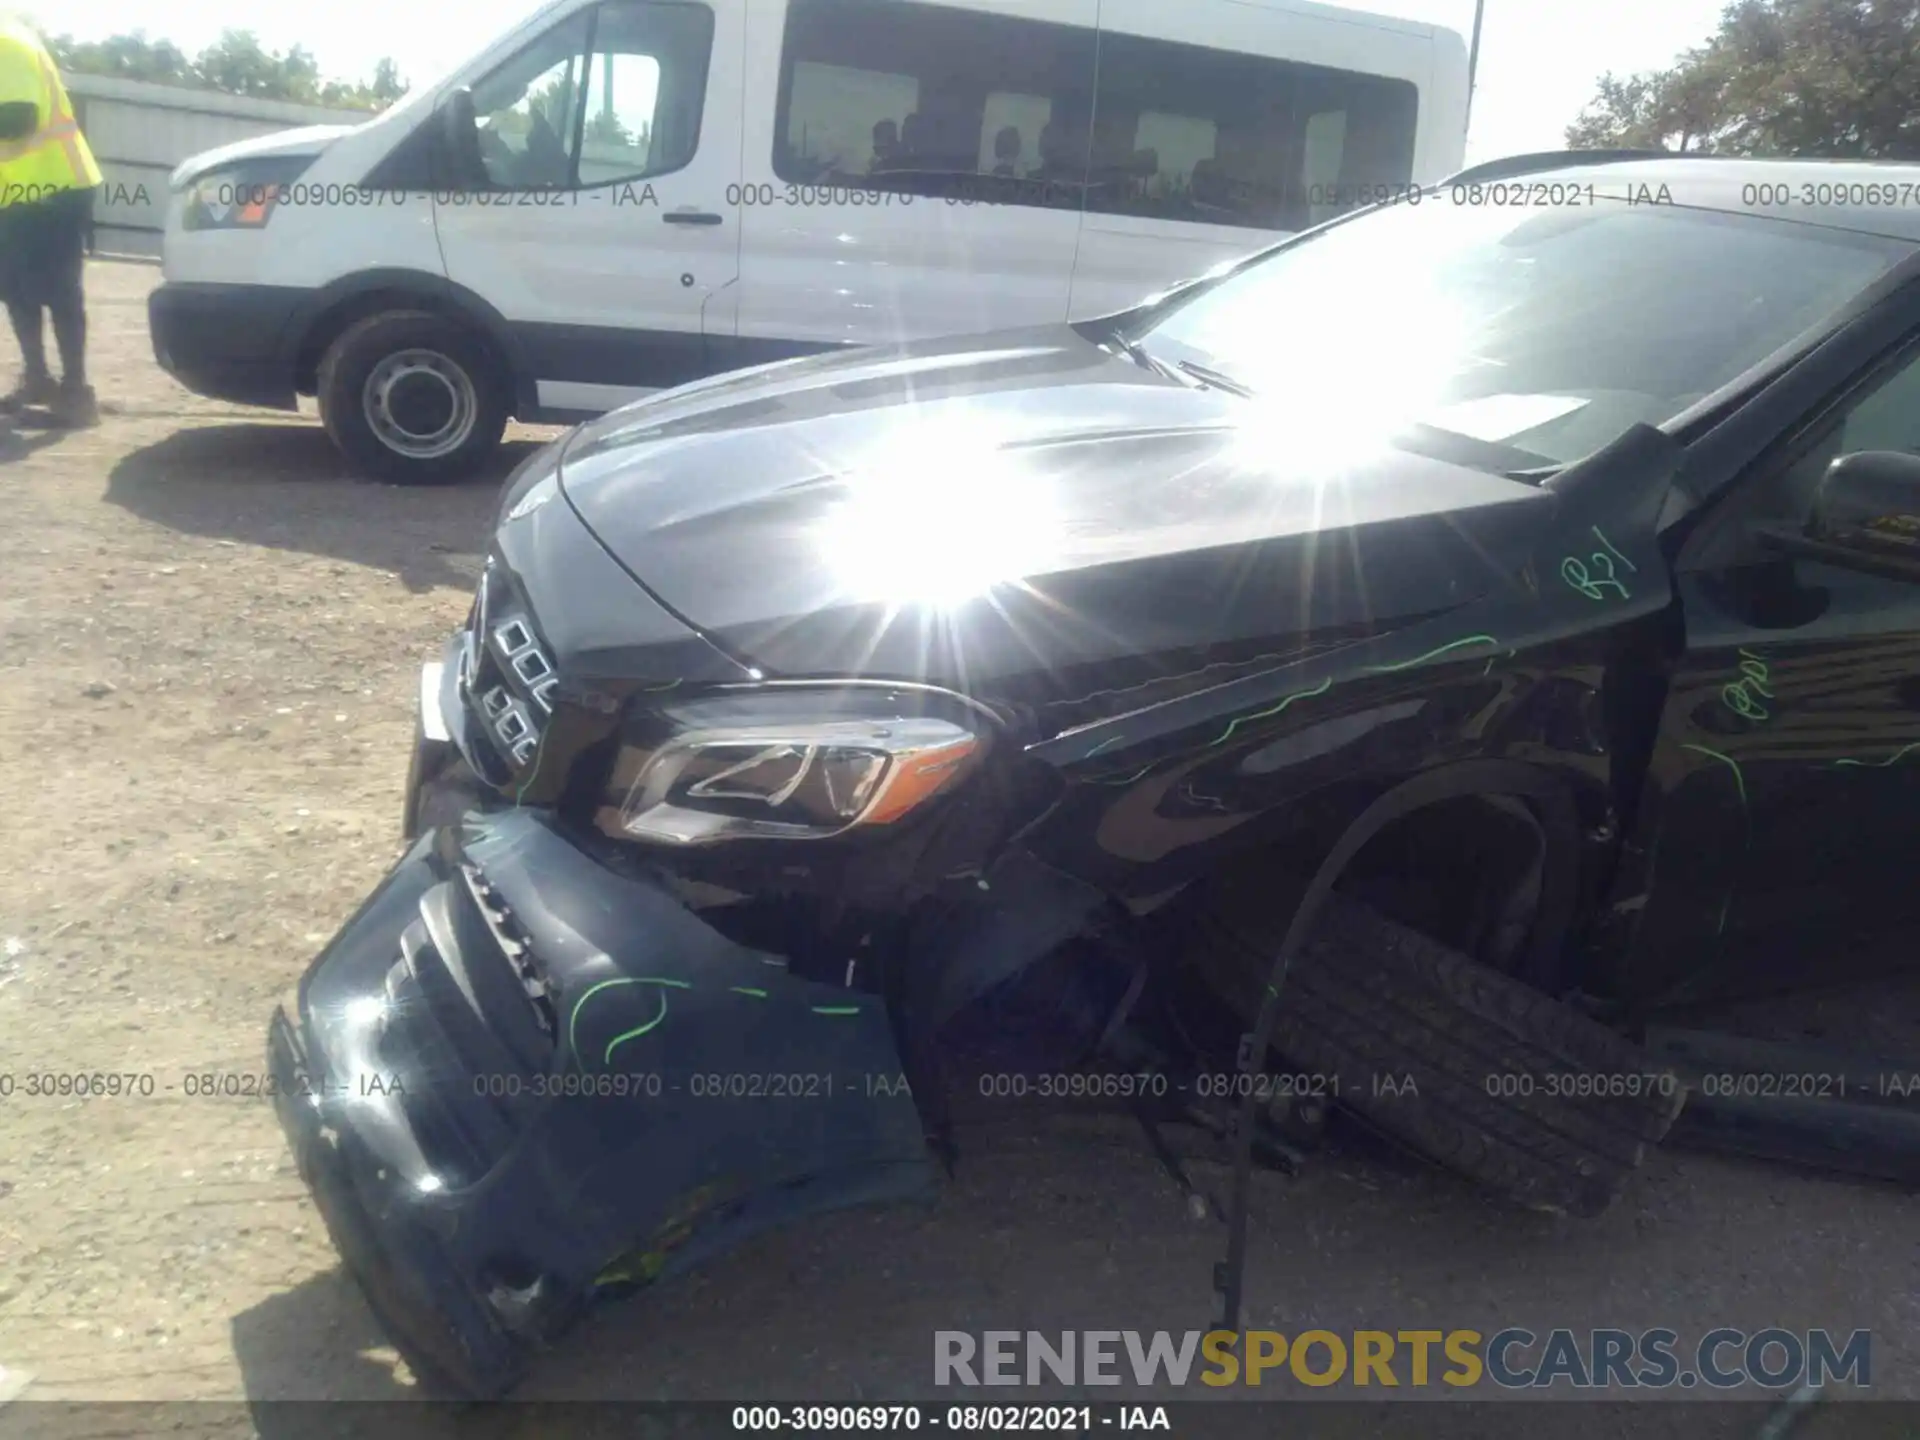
<point x="1870" y="501"/>
<point x="1865" y="517"/>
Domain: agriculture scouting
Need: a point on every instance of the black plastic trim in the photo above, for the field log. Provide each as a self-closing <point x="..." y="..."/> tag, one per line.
<point x="226" y="341"/>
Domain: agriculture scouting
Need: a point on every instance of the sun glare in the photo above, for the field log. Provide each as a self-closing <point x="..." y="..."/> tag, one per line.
<point x="1370" y="361"/>
<point x="937" y="516"/>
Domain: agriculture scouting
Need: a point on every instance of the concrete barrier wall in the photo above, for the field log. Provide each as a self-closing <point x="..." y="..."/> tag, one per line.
<point x="140" y="131"/>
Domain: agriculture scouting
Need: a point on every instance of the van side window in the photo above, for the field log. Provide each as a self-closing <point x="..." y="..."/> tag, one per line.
<point x="524" y="111"/>
<point x="1190" y="133"/>
<point x="927" y="100"/>
<point x="646" y="88"/>
<point x="611" y="94"/>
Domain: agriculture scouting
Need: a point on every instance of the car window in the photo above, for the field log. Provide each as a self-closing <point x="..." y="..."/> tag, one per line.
<point x="612" y="94"/>
<point x="1887" y="419"/>
<point x="1548" y="333"/>
<point x="1731" y="551"/>
<point x="1886" y="416"/>
<point x="646" y="90"/>
<point x="524" y="111"/>
<point x="1191" y="133"/>
<point x="927" y="100"/>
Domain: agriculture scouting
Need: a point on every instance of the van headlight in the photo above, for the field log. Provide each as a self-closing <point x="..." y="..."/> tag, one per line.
<point x="242" y="196"/>
<point x="802" y="764"/>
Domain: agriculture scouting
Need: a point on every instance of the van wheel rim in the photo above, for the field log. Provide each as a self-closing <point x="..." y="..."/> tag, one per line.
<point x="420" y="404"/>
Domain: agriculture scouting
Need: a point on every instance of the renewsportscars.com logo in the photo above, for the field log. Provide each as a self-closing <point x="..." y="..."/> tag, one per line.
<point x="1513" y="1359"/>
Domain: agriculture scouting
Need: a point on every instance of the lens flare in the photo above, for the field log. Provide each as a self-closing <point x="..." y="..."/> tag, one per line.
<point x="1380" y="358"/>
<point x="938" y="517"/>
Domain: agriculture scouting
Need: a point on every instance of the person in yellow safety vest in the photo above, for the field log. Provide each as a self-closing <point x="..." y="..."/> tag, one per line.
<point x="47" y="183"/>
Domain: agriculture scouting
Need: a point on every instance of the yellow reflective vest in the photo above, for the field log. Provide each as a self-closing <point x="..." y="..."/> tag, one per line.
<point x="55" y="156"/>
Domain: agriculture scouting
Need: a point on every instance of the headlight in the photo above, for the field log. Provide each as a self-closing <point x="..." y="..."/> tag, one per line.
<point x="787" y="764"/>
<point x="242" y="196"/>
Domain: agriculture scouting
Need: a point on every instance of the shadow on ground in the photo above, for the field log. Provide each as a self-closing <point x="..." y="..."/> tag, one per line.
<point x="284" y="486"/>
<point x="18" y="440"/>
<point x="317" y="1339"/>
<point x="1053" y="1226"/>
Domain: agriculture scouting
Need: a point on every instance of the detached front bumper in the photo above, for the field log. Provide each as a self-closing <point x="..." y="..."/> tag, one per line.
<point x="516" y="1080"/>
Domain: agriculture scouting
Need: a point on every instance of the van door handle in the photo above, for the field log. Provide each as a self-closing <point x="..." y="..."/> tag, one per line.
<point x="691" y="217"/>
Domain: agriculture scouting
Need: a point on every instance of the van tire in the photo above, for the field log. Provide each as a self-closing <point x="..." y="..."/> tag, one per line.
<point x="1510" y="1088"/>
<point x="412" y="398"/>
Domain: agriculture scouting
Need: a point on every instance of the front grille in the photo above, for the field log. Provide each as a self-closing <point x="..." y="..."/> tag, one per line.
<point x="468" y="1026"/>
<point x="508" y="680"/>
<point x="515" y="946"/>
<point x="462" y="1129"/>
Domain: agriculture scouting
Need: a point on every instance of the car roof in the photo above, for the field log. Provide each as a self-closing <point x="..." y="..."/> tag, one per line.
<point x="1872" y="196"/>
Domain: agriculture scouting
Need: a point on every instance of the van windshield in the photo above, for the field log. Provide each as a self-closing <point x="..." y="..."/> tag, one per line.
<point x="1540" y="336"/>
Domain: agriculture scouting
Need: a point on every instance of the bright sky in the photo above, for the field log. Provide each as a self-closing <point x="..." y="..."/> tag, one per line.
<point x="1538" y="58"/>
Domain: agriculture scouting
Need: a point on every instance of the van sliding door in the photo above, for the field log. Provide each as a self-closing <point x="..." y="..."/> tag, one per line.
<point x="1222" y="125"/>
<point x="911" y="169"/>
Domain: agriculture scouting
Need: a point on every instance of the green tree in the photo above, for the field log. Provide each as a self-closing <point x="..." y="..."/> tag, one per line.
<point x="236" y="64"/>
<point x="1836" y="79"/>
<point x="130" y="57"/>
<point x="387" y="85"/>
<point x="239" y="64"/>
<point x="606" y="129"/>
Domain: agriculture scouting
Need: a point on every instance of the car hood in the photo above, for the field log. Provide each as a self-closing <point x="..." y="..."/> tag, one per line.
<point x="1021" y="516"/>
<point x="307" y="140"/>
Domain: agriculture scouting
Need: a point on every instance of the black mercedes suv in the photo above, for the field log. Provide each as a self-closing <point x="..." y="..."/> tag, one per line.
<point x="1520" y="582"/>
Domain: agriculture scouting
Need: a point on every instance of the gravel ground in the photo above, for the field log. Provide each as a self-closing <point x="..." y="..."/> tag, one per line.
<point x="208" y="640"/>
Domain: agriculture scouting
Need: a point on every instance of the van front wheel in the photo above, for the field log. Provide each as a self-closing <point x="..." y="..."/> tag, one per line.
<point x="412" y="398"/>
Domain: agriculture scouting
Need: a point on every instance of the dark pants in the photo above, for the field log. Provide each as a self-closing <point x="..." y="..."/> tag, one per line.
<point x="43" y="248"/>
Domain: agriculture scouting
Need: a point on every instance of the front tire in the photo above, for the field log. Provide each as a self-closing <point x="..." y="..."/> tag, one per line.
<point x="1485" y="1076"/>
<point x="412" y="398"/>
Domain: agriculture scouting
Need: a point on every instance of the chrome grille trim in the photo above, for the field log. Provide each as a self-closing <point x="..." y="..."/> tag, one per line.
<point x="531" y="666"/>
<point x="512" y="636"/>
<point x="515" y="679"/>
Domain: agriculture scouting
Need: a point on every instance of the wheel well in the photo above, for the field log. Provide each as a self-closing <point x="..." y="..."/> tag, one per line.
<point x="1466" y="871"/>
<point x="1491" y="870"/>
<point x="350" y="310"/>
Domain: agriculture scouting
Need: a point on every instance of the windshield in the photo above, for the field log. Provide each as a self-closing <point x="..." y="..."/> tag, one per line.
<point x="1537" y="336"/>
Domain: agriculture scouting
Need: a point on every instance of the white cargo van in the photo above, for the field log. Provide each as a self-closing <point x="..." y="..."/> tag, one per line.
<point x="624" y="195"/>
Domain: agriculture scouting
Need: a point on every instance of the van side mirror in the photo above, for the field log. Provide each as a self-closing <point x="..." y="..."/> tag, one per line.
<point x="1870" y="501"/>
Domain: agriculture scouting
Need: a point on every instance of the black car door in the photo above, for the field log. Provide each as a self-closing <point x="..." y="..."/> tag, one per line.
<point x="1781" y="813"/>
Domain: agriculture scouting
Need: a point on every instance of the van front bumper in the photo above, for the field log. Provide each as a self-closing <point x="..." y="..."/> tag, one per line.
<point x="516" y="1081"/>
<point x="226" y="341"/>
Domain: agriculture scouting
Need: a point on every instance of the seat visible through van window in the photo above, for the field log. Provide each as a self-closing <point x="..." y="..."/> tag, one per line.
<point x="1006" y="152"/>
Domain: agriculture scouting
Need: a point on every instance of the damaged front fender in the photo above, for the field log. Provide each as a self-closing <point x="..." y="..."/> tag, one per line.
<point x="517" y="1080"/>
